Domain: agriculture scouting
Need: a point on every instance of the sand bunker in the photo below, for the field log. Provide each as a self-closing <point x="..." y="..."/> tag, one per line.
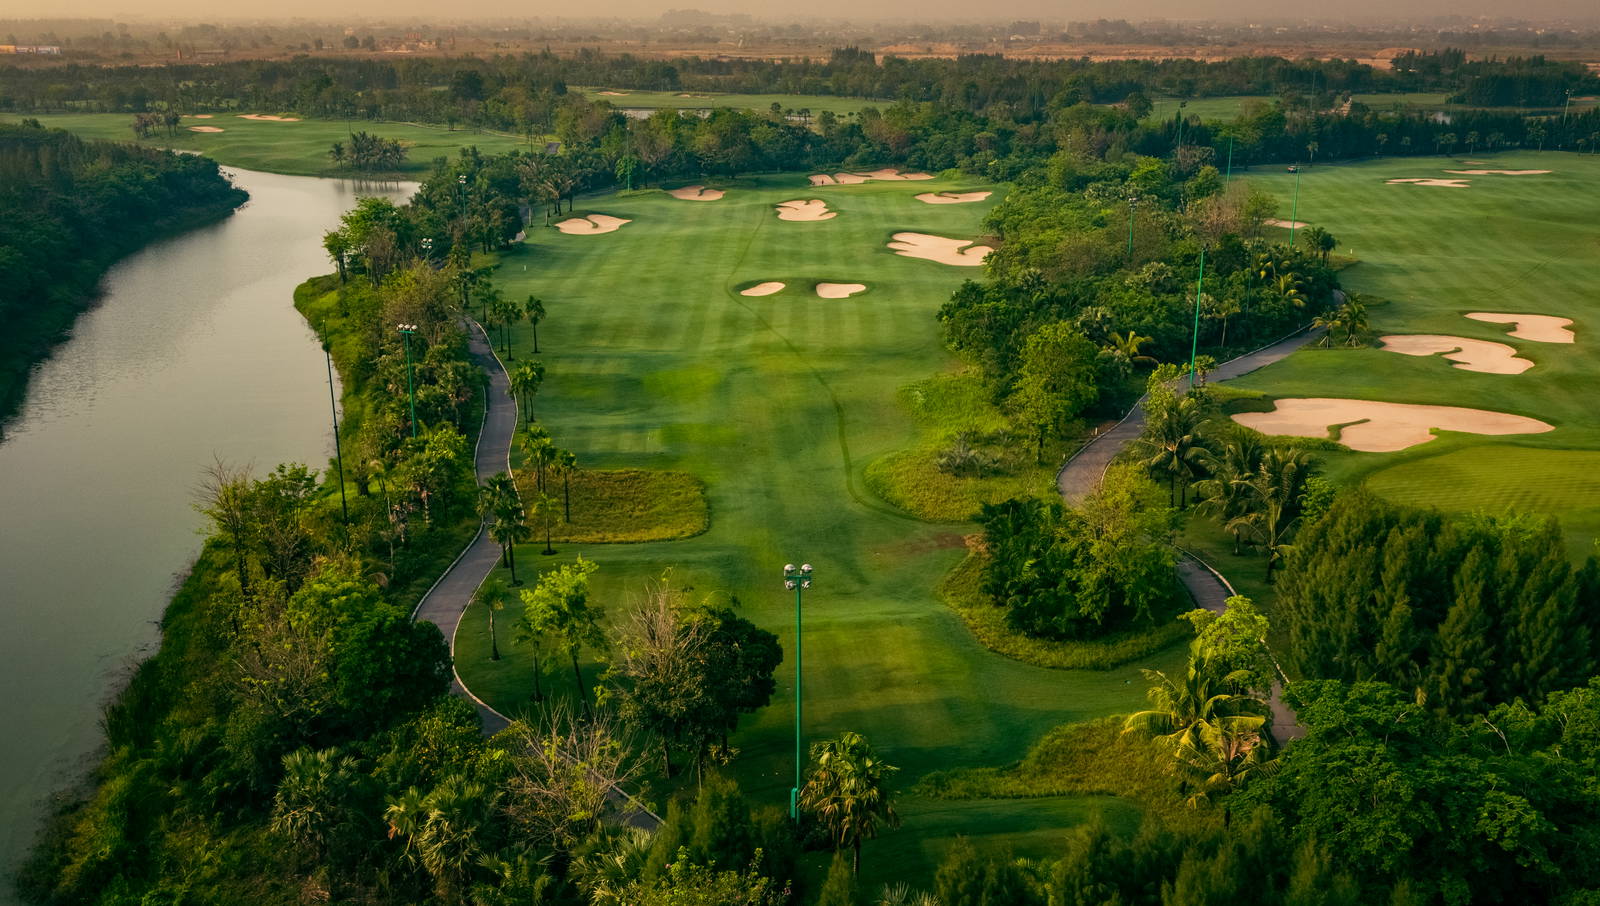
<point x="839" y="290"/>
<point x="267" y="117"/>
<point x="952" y="197"/>
<point x="591" y="225"/>
<point x="1287" y="224"/>
<point x="1539" y="328"/>
<point x="613" y="94"/>
<point x="854" y="179"/>
<point x="198" y="116"/>
<point x="204" y="129"/>
<point x="1383" y="427"/>
<point x="1497" y="172"/>
<point x="762" y="289"/>
<point x="815" y="209"/>
<point x="1428" y="181"/>
<point x="940" y="249"/>
<point x="696" y="193"/>
<point x="1468" y="354"/>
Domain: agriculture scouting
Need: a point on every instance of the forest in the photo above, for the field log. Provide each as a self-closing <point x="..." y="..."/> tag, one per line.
<point x="73" y="208"/>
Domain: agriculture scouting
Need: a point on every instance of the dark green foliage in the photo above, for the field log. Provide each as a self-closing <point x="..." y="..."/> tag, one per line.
<point x="841" y="888"/>
<point x="1468" y="612"/>
<point x="71" y="208"/>
<point x="1080" y="573"/>
<point x="720" y="829"/>
<point x="966" y="879"/>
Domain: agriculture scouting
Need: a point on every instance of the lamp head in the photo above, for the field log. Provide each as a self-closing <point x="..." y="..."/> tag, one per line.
<point x="788" y="567"/>
<point x="805" y="567"/>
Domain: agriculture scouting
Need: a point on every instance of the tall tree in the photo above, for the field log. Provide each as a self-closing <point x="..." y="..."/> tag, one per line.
<point x="847" y="793"/>
<point x="560" y="602"/>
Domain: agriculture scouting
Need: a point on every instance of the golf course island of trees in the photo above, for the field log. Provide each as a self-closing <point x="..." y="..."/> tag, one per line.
<point x="1079" y="608"/>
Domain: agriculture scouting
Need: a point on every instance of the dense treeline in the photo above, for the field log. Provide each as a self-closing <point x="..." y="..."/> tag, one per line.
<point x="70" y="209"/>
<point x="1468" y="612"/>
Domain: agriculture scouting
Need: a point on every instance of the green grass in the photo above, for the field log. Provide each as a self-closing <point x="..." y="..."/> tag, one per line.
<point x="945" y="406"/>
<point x="624" y="505"/>
<point x="988" y="624"/>
<point x="298" y="149"/>
<point x="777" y="404"/>
<point x="1208" y="109"/>
<point x="1506" y="244"/>
<point x="700" y="100"/>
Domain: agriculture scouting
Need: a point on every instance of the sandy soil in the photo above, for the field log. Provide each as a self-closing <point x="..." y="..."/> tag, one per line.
<point x="958" y="252"/>
<point x="592" y="225"/>
<point x="839" y="290"/>
<point x="613" y="94"/>
<point x="762" y="289"/>
<point x="952" y="197"/>
<point x="1497" y="172"/>
<point x="204" y="129"/>
<point x="1383" y="427"/>
<point x="198" y="116"/>
<point x="267" y="117"/>
<point x="887" y="174"/>
<point x="813" y="210"/>
<point x="696" y="193"/>
<point x="1287" y="224"/>
<point x="1427" y="181"/>
<point x="1468" y="354"/>
<point x="1539" y="328"/>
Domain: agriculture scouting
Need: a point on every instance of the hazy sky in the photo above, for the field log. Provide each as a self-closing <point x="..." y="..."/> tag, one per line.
<point x="922" y="10"/>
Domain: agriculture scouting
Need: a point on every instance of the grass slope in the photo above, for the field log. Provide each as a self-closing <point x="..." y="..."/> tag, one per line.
<point x="1521" y="244"/>
<point x="297" y="149"/>
<point x="778" y="404"/>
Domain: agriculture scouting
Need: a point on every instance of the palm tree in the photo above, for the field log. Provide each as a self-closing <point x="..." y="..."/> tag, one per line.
<point x="492" y="595"/>
<point x="534" y="438"/>
<point x="1175" y="445"/>
<point x="1327" y="322"/>
<point x="1287" y="288"/>
<point x="315" y="802"/>
<point x="506" y="313"/>
<point x="1208" y="732"/>
<point x="1354" y="315"/>
<point x="499" y="500"/>
<point x="1222" y="310"/>
<point x="1129" y="348"/>
<point x="568" y="463"/>
<point x="525" y="382"/>
<point x="1275" y="494"/>
<point x="544" y="507"/>
<point x="444" y="831"/>
<point x="533" y="310"/>
<point x="846" y="792"/>
<point x="1227" y="494"/>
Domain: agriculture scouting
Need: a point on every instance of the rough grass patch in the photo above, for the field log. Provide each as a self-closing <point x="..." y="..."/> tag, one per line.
<point x="987" y="623"/>
<point x="624" y="506"/>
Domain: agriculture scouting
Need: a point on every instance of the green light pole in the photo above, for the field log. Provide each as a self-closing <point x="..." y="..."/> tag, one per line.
<point x="799" y="580"/>
<point x="406" y="330"/>
<point x="1194" y="344"/>
<point x="338" y="449"/>
<point x="1132" y="203"/>
<point x="1294" y="209"/>
<point x="1228" y="177"/>
<point x="1181" y="105"/>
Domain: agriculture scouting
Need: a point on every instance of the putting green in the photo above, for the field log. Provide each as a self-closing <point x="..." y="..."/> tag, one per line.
<point x="298" y="148"/>
<point x="1503" y="244"/>
<point x="778" y="404"/>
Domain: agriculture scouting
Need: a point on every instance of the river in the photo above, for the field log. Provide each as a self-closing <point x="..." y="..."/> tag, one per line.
<point x="194" y="352"/>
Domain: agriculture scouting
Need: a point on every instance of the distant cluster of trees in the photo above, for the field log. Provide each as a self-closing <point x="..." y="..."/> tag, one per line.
<point x="368" y="152"/>
<point x="71" y="208"/>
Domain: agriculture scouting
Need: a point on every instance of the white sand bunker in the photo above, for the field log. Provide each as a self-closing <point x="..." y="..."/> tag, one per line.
<point x="1376" y="427"/>
<point x="1497" y="172"/>
<point x="198" y="116"/>
<point x="814" y="209"/>
<point x="952" y="197"/>
<point x="696" y="193"/>
<point x="204" y="129"/>
<point x="1539" y="328"/>
<point x="1429" y="181"/>
<point x="591" y="225"/>
<point x="1287" y="224"/>
<point x="855" y="179"/>
<point x="613" y="94"/>
<point x="267" y="117"/>
<point x="1468" y="354"/>
<point x="762" y="289"/>
<point x="839" y="290"/>
<point x="940" y="249"/>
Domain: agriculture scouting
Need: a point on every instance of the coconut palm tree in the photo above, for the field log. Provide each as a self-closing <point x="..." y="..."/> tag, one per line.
<point x="498" y="499"/>
<point x="1129" y="348"/>
<point x="525" y="382"/>
<point x="1209" y="732"/>
<point x="492" y="595"/>
<point x="567" y="462"/>
<point x="1275" y="495"/>
<point x="533" y="310"/>
<point x="846" y="792"/>
<point x="1227" y="494"/>
<point x="1174" y="445"/>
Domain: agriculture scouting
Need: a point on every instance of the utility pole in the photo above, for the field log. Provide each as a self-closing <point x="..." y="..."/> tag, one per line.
<point x="1294" y="209"/>
<point x="406" y="330"/>
<point x="338" y="449"/>
<point x="1194" y="343"/>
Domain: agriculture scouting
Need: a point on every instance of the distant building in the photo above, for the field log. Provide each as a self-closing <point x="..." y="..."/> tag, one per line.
<point x="49" y="49"/>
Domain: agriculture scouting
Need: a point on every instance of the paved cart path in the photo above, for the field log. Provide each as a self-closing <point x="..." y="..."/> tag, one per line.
<point x="444" y="603"/>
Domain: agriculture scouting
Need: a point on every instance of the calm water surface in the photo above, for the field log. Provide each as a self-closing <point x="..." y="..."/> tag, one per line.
<point x="194" y="352"/>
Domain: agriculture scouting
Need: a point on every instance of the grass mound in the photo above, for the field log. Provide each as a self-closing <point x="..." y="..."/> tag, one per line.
<point x="956" y="418"/>
<point x="623" y="506"/>
<point x="1093" y="758"/>
<point x="988" y="625"/>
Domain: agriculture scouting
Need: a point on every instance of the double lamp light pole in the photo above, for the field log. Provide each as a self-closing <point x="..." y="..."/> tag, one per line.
<point x="799" y="580"/>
